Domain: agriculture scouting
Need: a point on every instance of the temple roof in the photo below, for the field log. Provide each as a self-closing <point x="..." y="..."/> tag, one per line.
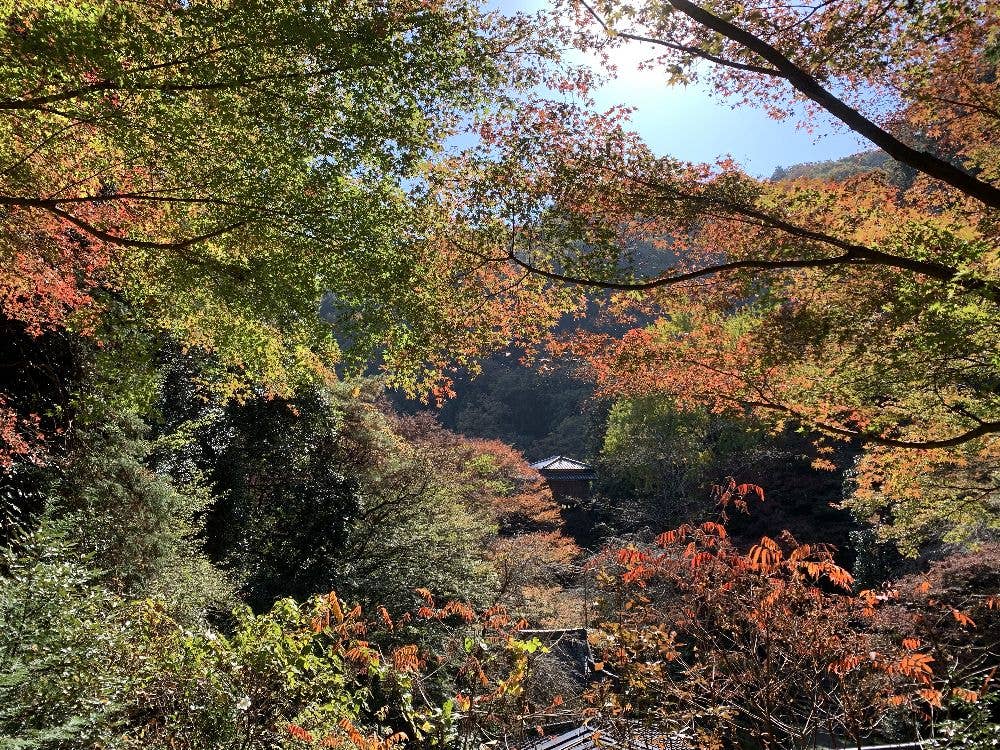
<point x="589" y="738"/>
<point x="560" y="464"/>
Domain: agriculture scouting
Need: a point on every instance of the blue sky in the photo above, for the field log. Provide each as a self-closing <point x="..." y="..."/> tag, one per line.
<point x="690" y="123"/>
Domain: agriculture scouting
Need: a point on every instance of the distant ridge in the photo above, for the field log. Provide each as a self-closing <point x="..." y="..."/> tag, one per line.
<point x="841" y="169"/>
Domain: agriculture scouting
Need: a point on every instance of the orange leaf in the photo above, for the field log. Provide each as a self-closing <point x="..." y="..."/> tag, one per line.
<point x="932" y="696"/>
<point x="969" y="696"/>
<point x="963" y="619"/>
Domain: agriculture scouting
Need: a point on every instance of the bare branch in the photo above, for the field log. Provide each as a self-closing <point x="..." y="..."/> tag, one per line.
<point x="690" y="275"/>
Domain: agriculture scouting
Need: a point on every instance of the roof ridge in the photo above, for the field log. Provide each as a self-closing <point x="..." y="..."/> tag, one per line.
<point x="562" y="464"/>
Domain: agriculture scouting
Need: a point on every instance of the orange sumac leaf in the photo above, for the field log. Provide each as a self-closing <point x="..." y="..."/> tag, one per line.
<point x="969" y="696"/>
<point x="405" y="658"/>
<point x="839" y="577"/>
<point x="844" y="665"/>
<point x="932" y="696"/>
<point x="666" y="538"/>
<point x="299" y="733"/>
<point x="335" y="608"/>
<point x="700" y="559"/>
<point x="800" y="553"/>
<point x="710" y="527"/>
<point x="384" y="614"/>
<point x="746" y="489"/>
<point x="915" y="665"/>
<point x="963" y="619"/>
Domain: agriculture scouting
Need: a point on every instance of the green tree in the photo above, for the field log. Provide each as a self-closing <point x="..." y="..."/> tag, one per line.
<point x="319" y="492"/>
<point x="84" y="668"/>
<point x="668" y="459"/>
<point x="210" y="171"/>
<point x="138" y="526"/>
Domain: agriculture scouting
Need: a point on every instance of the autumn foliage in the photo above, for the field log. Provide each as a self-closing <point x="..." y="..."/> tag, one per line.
<point x="217" y="219"/>
<point x="859" y="309"/>
<point x="771" y="644"/>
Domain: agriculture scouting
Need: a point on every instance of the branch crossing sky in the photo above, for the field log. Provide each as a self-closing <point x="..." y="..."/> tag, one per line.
<point x="691" y="123"/>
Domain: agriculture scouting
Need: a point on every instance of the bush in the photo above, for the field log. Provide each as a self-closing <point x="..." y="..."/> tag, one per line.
<point x="85" y="668"/>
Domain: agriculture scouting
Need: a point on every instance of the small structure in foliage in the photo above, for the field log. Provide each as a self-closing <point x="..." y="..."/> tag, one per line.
<point x="568" y="478"/>
<point x="586" y="737"/>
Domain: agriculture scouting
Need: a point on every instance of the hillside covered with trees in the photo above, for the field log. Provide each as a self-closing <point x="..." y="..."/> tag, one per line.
<point x="293" y="293"/>
<point x="838" y="170"/>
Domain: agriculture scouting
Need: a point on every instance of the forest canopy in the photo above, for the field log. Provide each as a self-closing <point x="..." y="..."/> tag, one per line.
<point x="248" y="249"/>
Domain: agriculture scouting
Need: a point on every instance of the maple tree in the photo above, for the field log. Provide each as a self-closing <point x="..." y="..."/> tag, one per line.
<point x="207" y="207"/>
<point x="208" y="174"/>
<point x="861" y="310"/>
<point x="530" y="557"/>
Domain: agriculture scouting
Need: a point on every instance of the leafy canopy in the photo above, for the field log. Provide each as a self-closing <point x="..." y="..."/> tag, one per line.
<point x="864" y="310"/>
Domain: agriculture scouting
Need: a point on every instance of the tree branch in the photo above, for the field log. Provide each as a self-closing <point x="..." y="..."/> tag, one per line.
<point x="807" y="85"/>
<point x="690" y="275"/>
<point x="145" y="244"/>
<point x="168" y="87"/>
<point x="980" y="430"/>
<point x="855" y="255"/>
<point x="696" y="51"/>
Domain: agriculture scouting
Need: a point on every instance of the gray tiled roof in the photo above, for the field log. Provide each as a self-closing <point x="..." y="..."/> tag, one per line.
<point x="593" y="738"/>
<point x="587" y="737"/>
<point x="561" y="463"/>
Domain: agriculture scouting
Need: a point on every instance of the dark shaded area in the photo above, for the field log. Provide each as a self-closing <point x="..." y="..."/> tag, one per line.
<point x="541" y="410"/>
<point x="798" y="498"/>
<point x="38" y="376"/>
<point x="288" y="484"/>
